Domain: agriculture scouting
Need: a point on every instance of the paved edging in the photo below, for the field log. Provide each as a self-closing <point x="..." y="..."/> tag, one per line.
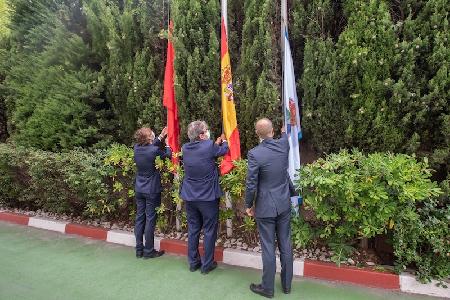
<point x="314" y="269"/>
<point x="253" y="260"/>
<point x="48" y="224"/>
<point x="409" y="284"/>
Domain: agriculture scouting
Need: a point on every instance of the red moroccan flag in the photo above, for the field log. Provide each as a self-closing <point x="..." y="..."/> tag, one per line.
<point x="173" y="127"/>
<point x="228" y="108"/>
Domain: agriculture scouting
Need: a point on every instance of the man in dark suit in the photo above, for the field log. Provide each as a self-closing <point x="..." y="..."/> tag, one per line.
<point x="201" y="192"/>
<point x="268" y="193"/>
<point x="147" y="189"/>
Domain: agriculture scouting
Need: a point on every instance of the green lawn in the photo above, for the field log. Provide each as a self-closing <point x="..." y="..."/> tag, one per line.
<point x="37" y="264"/>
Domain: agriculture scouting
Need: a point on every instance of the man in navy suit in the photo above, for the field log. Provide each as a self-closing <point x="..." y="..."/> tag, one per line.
<point x="268" y="193"/>
<point x="201" y="192"/>
<point x="147" y="189"/>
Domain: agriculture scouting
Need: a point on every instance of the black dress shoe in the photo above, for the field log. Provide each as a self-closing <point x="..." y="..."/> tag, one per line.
<point x="210" y="268"/>
<point x="195" y="267"/>
<point x="139" y="254"/>
<point x="154" y="254"/>
<point x="287" y="291"/>
<point x="258" y="289"/>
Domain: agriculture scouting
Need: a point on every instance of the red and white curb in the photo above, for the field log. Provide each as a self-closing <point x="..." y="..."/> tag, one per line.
<point x="313" y="269"/>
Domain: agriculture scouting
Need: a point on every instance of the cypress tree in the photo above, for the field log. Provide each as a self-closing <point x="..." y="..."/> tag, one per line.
<point x="422" y="92"/>
<point x="197" y="62"/>
<point x="259" y="73"/>
<point x="324" y="113"/>
<point x="366" y="51"/>
<point x="314" y="29"/>
<point x="51" y="92"/>
<point x="4" y="32"/>
<point x="125" y="38"/>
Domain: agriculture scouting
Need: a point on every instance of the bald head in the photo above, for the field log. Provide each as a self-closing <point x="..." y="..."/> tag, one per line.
<point x="264" y="128"/>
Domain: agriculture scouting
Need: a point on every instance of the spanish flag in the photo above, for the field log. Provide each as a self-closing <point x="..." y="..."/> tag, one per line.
<point x="228" y="108"/>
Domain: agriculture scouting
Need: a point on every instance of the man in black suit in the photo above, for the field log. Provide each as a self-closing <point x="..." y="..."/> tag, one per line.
<point x="268" y="193"/>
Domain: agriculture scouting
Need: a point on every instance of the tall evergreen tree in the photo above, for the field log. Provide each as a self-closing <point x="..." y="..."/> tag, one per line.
<point x="259" y="73"/>
<point x="4" y="45"/>
<point x="366" y="51"/>
<point x="51" y="92"/>
<point x="324" y="113"/>
<point x="125" y="38"/>
<point x="197" y="62"/>
<point x="315" y="27"/>
<point x="422" y="92"/>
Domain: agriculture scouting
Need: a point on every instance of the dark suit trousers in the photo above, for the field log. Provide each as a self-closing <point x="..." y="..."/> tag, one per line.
<point x="146" y="205"/>
<point x="268" y="228"/>
<point x="202" y="214"/>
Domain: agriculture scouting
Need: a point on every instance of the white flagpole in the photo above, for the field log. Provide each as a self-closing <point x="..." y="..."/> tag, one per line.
<point x="283" y="25"/>
<point x="282" y="31"/>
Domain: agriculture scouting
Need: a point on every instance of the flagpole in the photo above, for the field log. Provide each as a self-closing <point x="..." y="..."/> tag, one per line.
<point x="283" y="25"/>
<point x="282" y="31"/>
<point x="282" y="42"/>
<point x="284" y="60"/>
<point x="178" y="208"/>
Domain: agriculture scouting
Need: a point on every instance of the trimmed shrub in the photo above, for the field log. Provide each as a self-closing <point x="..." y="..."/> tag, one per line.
<point x="358" y="196"/>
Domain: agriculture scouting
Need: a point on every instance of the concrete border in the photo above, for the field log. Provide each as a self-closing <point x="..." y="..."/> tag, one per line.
<point x="127" y="238"/>
<point x="354" y="275"/>
<point x="181" y="248"/>
<point x="14" y="218"/>
<point x="121" y="237"/>
<point x="299" y="267"/>
<point x="409" y="284"/>
<point x="87" y="231"/>
<point x="48" y="224"/>
<point x="253" y="260"/>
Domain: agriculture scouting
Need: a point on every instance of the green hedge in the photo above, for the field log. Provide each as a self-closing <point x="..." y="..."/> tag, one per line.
<point x="356" y="196"/>
<point x="351" y="195"/>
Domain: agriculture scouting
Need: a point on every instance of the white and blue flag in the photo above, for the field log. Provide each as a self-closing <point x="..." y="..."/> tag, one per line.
<point x="291" y="113"/>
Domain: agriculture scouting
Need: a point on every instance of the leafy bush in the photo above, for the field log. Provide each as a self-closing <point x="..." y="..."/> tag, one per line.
<point x="39" y="180"/>
<point x="78" y="182"/>
<point x="302" y="233"/>
<point x="234" y="182"/>
<point x="421" y="238"/>
<point x="356" y="196"/>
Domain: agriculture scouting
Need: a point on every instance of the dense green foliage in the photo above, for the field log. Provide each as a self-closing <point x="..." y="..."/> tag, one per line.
<point x="258" y="83"/>
<point x="4" y="18"/>
<point x="379" y="83"/>
<point x="127" y="47"/>
<point x="197" y="67"/>
<point x="421" y="237"/>
<point x="82" y="73"/>
<point x="356" y="196"/>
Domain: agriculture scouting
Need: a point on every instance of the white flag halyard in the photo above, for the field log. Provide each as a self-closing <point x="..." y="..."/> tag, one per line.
<point x="291" y="112"/>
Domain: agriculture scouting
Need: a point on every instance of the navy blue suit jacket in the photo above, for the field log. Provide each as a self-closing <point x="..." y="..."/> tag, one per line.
<point x="268" y="184"/>
<point x="201" y="177"/>
<point x="148" y="179"/>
